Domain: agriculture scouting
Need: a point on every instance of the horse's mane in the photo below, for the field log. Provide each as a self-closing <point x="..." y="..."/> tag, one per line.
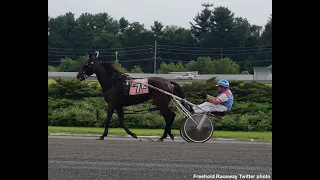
<point x="109" y="67"/>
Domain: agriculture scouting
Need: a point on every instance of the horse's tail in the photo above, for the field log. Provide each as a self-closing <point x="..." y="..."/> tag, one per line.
<point x="178" y="91"/>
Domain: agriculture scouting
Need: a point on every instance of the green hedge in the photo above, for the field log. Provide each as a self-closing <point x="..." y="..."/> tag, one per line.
<point x="75" y="103"/>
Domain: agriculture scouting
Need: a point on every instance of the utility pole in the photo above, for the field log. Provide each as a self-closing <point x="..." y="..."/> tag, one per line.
<point x="206" y="5"/>
<point x="116" y="55"/>
<point x="155" y="58"/>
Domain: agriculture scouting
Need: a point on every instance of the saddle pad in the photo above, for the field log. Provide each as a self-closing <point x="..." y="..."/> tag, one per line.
<point x="137" y="88"/>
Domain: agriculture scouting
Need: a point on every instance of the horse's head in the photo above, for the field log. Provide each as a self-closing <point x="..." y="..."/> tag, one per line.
<point x="88" y="68"/>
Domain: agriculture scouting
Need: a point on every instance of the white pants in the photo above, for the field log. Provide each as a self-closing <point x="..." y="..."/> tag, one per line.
<point x="207" y="106"/>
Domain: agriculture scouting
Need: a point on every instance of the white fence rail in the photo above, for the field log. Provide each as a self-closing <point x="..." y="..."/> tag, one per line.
<point x="240" y="77"/>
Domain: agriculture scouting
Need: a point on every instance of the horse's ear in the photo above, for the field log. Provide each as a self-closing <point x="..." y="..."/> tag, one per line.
<point x="90" y="56"/>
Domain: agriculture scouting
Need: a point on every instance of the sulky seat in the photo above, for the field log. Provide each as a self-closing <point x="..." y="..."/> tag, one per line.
<point x="218" y="115"/>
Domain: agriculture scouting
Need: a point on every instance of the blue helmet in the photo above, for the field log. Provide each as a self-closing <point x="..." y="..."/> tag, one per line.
<point x="224" y="83"/>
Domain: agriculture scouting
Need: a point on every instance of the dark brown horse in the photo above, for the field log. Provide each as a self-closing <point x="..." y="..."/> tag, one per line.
<point x="116" y="93"/>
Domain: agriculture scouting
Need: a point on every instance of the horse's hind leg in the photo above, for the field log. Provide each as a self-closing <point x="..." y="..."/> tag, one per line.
<point x="171" y="119"/>
<point x="122" y="124"/>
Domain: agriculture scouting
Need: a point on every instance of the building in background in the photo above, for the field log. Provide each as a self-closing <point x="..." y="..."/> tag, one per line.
<point x="262" y="73"/>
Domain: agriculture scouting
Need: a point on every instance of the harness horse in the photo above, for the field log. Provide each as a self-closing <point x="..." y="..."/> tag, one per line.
<point x="120" y="90"/>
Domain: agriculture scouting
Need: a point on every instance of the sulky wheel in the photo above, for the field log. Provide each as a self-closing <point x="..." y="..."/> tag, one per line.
<point x="190" y="131"/>
<point x="182" y="131"/>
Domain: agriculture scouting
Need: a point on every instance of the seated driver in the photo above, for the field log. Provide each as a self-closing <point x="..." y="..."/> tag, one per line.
<point x="221" y="103"/>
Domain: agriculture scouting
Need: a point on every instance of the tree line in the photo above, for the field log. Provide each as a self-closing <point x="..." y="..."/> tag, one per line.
<point x="214" y="33"/>
<point x="203" y="65"/>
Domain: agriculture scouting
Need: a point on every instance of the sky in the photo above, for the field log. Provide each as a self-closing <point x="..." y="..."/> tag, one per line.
<point x="169" y="12"/>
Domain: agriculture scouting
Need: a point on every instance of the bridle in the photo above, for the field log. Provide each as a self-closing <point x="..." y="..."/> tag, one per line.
<point x="89" y="64"/>
<point x="82" y="71"/>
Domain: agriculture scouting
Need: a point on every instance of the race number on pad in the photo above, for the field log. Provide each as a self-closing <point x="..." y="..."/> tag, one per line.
<point x="137" y="88"/>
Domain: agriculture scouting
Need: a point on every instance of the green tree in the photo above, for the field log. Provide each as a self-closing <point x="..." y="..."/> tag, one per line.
<point x="53" y="69"/>
<point x="85" y="31"/>
<point x="225" y="66"/>
<point x="62" y="30"/>
<point x="136" y="37"/>
<point x="203" y="65"/>
<point x="136" y="69"/>
<point x="267" y="32"/>
<point x="68" y="65"/>
<point x="215" y="30"/>
<point x="106" y="40"/>
<point x="180" y="67"/>
<point x="240" y="32"/>
<point x="173" y="43"/>
<point x="254" y="38"/>
<point x="104" y="22"/>
<point x="200" y="29"/>
<point x="244" y="72"/>
<point x="119" y="67"/>
<point x="192" y="66"/>
<point x="157" y="29"/>
<point x="171" y="67"/>
<point x="222" y="23"/>
<point x="123" y="25"/>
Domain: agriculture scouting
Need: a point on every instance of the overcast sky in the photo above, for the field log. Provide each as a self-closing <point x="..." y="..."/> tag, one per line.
<point x="169" y="12"/>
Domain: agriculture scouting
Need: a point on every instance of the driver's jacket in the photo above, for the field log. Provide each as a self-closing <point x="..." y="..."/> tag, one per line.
<point x="226" y="99"/>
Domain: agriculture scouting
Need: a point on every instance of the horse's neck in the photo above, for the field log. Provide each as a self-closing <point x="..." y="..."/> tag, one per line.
<point x="102" y="77"/>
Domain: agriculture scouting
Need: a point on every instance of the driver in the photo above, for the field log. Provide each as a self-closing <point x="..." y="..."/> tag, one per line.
<point x="221" y="103"/>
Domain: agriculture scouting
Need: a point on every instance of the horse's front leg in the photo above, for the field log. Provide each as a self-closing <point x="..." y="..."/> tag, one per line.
<point x="122" y="124"/>
<point x="107" y="122"/>
<point x="169" y="118"/>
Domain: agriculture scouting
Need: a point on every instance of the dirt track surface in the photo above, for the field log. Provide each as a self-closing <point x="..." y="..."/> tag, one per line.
<point x="126" y="158"/>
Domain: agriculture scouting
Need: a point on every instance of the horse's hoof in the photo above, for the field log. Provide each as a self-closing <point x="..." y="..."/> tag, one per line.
<point x="160" y="140"/>
<point x="134" y="136"/>
<point x="100" y="138"/>
<point x="172" y="136"/>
